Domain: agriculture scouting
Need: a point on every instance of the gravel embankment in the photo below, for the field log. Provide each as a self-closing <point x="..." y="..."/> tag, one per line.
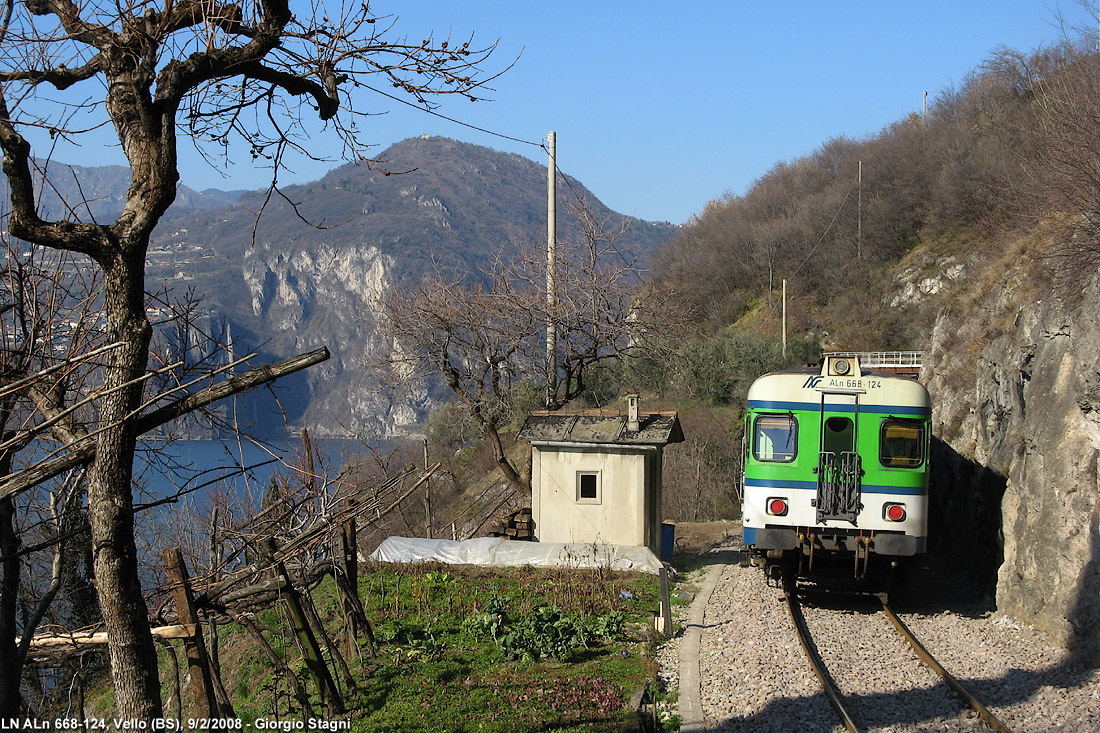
<point x="754" y="675"/>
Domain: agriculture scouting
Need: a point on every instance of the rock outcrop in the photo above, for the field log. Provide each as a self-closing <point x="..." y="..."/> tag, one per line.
<point x="305" y="297"/>
<point x="311" y="269"/>
<point x="1015" y="378"/>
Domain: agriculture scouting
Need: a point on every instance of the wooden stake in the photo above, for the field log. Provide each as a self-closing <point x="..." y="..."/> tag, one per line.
<point x="350" y="584"/>
<point x="664" y="621"/>
<point x="201" y="685"/>
<point x="338" y="660"/>
<point x="296" y="684"/>
<point x="311" y="650"/>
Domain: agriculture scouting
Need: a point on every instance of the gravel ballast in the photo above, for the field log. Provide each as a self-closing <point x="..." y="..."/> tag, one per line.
<point x="754" y="676"/>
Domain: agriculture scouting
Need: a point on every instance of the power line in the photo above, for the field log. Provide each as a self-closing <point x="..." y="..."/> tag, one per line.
<point x="819" y="241"/>
<point x="824" y="233"/>
<point x="426" y="110"/>
<point x="542" y="145"/>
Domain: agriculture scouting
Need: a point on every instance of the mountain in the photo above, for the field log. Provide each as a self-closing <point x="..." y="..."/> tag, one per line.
<point x="99" y="193"/>
<point x="284" y="273"/>
<point x="285" y="286"/>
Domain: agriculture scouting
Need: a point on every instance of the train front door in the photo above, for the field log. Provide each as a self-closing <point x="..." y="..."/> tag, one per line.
<point x="838" y="465"/>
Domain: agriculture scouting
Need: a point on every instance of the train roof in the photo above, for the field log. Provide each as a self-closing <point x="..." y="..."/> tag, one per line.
<point x="839" y="386"/>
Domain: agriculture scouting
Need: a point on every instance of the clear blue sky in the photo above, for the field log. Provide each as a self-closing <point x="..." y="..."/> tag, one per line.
<point x="661" y="107"/>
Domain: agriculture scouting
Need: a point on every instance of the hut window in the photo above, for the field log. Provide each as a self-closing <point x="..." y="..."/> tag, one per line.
<point x="588" y="487"/>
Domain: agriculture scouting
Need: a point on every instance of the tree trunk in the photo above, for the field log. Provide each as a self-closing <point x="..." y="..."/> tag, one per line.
<point x="10" y="669"/>
<point x="110" y="499"/>
<point x="506" y="468"/>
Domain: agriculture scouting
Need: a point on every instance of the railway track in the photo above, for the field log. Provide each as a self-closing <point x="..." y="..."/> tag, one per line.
<point x="833" y="691"/>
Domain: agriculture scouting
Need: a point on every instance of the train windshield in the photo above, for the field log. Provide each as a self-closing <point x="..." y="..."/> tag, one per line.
<point x="775" y="438"/>
<point x="902" y="443"/>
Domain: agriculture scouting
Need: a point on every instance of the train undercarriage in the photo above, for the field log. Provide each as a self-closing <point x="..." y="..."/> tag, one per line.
<point x="834" y="560"/>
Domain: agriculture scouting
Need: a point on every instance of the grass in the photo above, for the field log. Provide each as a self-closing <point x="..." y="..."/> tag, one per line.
<point x="467" y="649"/>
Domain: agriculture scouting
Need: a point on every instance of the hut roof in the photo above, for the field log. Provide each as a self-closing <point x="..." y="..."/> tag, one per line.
<point x="654" y="428"/>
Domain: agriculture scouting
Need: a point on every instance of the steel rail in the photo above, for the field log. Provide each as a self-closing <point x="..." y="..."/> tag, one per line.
<point x="831" y="691"/>
<point x="930" y="661"/>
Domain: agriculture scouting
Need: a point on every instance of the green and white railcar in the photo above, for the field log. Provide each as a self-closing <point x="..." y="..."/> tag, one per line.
<point x="836" y="465"/>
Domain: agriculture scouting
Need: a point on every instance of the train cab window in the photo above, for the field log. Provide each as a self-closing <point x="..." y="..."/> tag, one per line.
<point x="839" y="435"/>
<point x="775" y="438"/>
<point x="901" y="443"/>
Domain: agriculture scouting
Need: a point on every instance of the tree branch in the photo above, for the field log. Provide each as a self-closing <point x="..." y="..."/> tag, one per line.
<point x="83" y="452"/>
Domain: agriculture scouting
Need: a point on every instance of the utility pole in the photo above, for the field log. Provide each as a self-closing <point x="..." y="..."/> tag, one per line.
<point x="859" y="217"/>
<point x="784" y="318"/>
<point x="551" y="246"/>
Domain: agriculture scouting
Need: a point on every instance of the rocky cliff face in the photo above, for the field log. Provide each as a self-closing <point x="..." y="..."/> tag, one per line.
<point x="1015" y="378"/>
<point x="311" y="269"/>
<point x="303" y="297"/>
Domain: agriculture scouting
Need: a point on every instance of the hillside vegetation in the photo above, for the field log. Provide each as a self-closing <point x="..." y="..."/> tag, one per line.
<point x="1006" y="148"/>
<point x="876" y="237"/>
<point x="973" y="235"/>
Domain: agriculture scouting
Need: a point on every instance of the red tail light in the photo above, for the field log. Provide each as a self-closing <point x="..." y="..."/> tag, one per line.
<point x="893" y="512"/>
<point x="777" y="507"/>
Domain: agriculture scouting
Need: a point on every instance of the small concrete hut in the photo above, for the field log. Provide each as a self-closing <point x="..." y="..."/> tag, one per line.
<point x="596" y="476"/>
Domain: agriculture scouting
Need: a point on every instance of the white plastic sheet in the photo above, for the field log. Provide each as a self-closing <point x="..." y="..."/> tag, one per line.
<point x="497" y="551"/>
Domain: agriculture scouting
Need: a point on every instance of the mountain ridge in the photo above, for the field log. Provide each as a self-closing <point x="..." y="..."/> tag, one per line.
<point x="286" y="286"/>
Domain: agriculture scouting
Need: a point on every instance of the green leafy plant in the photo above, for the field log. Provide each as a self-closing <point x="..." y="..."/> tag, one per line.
<point x="610" y="626"/>
<point x="425" y="647"/>
<point x="548" y="633"/>
<point x="486" y="625"/>
<point x="413" y="642"/>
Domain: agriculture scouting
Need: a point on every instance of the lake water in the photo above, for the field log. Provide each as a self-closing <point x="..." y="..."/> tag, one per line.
<point x="164" y="468"/>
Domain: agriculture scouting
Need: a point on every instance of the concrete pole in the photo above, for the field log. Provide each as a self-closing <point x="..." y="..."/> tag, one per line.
<point x="784" y="318"/>
<point x="859" y="225"/>
<point x="551" y="246"/>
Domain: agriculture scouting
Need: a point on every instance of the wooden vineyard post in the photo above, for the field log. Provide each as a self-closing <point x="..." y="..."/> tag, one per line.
<point x="220" y="693"/>
<point x="299" y="691"/>
<point x="311" y="650"/>
<point x="427" y="495"/>
<point x="206" y="702"/>
<point x="664" y="620"/>
<point x="350" y="548"/>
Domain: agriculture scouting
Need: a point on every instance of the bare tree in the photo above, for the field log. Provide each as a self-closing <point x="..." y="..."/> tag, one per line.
<point x="49" y="366"/>
<point x="49" y="321"/>
<point x="486" y="339"/>
<point x="1053" y="137"/>
<point x="227" y="74"/>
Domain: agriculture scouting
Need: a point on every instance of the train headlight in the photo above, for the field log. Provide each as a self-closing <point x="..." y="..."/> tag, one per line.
<point x="777" y="507"/>
<point x="893" y="512"/>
